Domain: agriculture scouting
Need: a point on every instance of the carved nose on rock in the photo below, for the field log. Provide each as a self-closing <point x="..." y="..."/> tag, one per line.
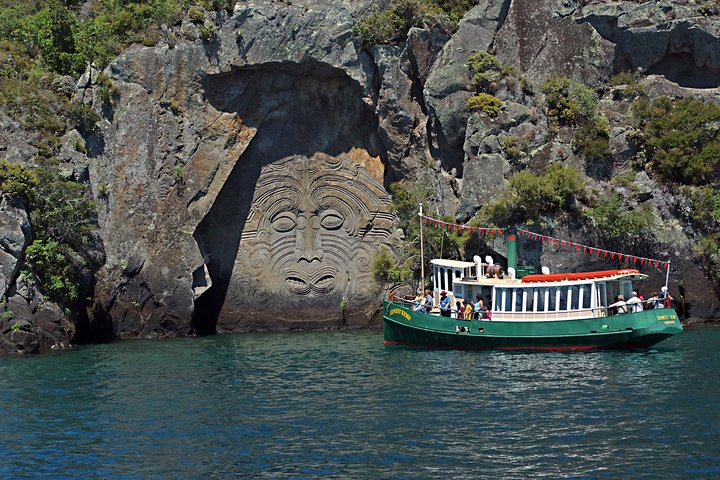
<point x="307" y="240"/>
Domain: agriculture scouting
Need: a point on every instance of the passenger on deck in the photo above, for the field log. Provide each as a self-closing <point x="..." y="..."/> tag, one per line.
<point x="468" y="310"/>
<point x="418" y="301"/>
<point x="664" y="299"/>
<point x="620" y="306"/>
<point x="428" y="304"/>
<point x="480" y="309"/>
<point x="634" y="303"/>
<point x="444" y="304"/>
<point x="459" y="311"/>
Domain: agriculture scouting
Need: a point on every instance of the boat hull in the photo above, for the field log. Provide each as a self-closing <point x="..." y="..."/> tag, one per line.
<point x="403" y="326"/>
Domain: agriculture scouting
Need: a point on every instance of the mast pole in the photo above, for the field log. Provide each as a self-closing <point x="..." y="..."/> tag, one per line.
<point x="422" y="253"/>
<point x="667" y="277"/>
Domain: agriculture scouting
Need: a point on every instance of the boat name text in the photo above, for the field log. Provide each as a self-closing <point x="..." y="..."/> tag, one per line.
<point x="403" y="313"/>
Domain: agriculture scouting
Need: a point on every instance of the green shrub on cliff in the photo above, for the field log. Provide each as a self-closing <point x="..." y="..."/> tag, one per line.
<point x="530" y="195"/>
<point x="16" y="180"/>
<point x="569" y="102"/>
<point x="487" y="71"/>
<point x="63" y="218"/>
<point x="407" y="196"/>
<point x="485" y="104"/>
<point x="392" y="23"/>
<point x="615" y="224"/>
<point x="54" y="267"/>
<point x="680" y="138"/>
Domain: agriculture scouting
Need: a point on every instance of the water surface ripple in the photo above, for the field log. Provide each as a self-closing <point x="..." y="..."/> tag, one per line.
<point x="342" y="405"/>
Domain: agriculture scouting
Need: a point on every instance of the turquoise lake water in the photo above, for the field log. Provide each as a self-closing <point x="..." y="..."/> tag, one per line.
<point x="342" y="405"/>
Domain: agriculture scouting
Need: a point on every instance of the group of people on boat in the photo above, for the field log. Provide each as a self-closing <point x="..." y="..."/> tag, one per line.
<point x="637" y="303"/>
<point x="466" y="309"/>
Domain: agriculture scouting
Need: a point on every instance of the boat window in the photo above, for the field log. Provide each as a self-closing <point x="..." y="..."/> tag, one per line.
<point x="458" y="273"/>
<point x="552" y="299"/>
<point x="574" y="297"/>
<point x="585" y="294"/>
<point x="443" y="278"/>
<point x="602" y="295"/>
<point x="563" y="294"/>
<point x="529" y="299"/>
<point x="626" y="289"/>
<point x="507" y="299"/>
<point x="459" y="292"/>
<point x="538" y="299"/>
<point x="518" y="296"/>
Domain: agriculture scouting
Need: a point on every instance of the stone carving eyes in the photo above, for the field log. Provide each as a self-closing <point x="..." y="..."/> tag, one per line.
<point x="284" y="222"/>
<point x="331" y="219"/>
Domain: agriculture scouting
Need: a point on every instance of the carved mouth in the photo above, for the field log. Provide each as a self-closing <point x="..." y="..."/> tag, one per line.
<point x="321" y="281"/>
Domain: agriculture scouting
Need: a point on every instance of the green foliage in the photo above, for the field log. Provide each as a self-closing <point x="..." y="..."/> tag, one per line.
<point x="487" y="71"/>
<point x="630" y="81"/>
<point x="377" y="27"/>
<point x="614" y="223"/>
<point x="84" y="118"/>
<point x="708" y="252"/>
<point x="392" y="24"/>
<point x="8" y="313"/>
<point x="569" y="102"/>
<point x="196" y="15"/>
<point x="15" y="327"/>
<point x="485" y="104"/>
<point x="529" y="195"/>
<point x="63" y="219"/>
<point x="385" y="269"/>
<point x="61" y="209"/>
<point x="407" y="197"/>
<point x="681" y="138"/>
<point x="177" y="171"/>
<point x="515" y="147"/>
<point x="207" y="32"/>
<point x="593" y="138"/>
<point x="52" y="263"/>
<point x="704" y="207"/>
<point x="16" y="180"/>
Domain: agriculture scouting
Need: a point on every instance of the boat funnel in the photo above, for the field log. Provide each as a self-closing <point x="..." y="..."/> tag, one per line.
<point x="511" y="238"/>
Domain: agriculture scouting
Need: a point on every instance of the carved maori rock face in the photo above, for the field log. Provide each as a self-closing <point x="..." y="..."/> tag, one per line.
<point x="308" y="243"/>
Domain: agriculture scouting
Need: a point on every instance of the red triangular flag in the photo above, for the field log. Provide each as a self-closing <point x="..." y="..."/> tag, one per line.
<point x="542" y="237"/>
<point x="612" y="256"/>
<point x="606" y="254"/>
<point x="635" y="259"/>
<point x="563" y="243"/>
<point x="657" y="263"/>
<point x="577" y="247"/>
<point x="557" y="242"/>
<point x="499" y="231"/>
<point x="665" y="265"/>
<point x="536" y="236"/>
<point x="592" y="250"/>
<point x="620" y="256"/>
<point x="584" y="249"/>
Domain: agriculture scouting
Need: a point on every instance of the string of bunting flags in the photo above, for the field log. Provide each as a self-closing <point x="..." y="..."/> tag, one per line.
<point x="557" y="242"/>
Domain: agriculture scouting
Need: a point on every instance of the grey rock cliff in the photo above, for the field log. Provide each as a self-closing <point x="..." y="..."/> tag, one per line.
<point x="242" y="181"/>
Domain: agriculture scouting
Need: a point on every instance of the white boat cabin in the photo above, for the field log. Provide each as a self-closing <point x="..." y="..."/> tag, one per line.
<point x="536" y="297"/>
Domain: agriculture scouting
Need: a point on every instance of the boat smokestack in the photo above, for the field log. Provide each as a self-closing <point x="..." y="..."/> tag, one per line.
<point x="511" y="238"/>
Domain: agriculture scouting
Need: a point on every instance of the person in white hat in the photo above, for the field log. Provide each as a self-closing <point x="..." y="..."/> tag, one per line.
<point x="634" y="303"/>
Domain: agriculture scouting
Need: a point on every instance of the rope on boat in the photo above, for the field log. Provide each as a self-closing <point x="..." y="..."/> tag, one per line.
<point x="552" y="241"/>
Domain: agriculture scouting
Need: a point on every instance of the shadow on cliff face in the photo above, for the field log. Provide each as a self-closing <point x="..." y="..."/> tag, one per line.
<point x="297" y="109"/>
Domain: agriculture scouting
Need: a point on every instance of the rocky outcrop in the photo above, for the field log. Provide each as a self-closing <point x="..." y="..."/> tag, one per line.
<point x="242" y="179"/>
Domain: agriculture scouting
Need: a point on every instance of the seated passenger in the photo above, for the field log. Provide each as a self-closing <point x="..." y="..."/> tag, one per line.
<point x="620" y="306"/>
<point x="418" y="301"/>
<point x="634" y="303"/>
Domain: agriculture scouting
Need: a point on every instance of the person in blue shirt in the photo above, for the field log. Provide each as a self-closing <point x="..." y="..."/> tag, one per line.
<point x="444" y="304"/>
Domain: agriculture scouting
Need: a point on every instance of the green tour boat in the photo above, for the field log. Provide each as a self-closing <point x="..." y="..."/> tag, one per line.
<point x="559" y="311"/>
